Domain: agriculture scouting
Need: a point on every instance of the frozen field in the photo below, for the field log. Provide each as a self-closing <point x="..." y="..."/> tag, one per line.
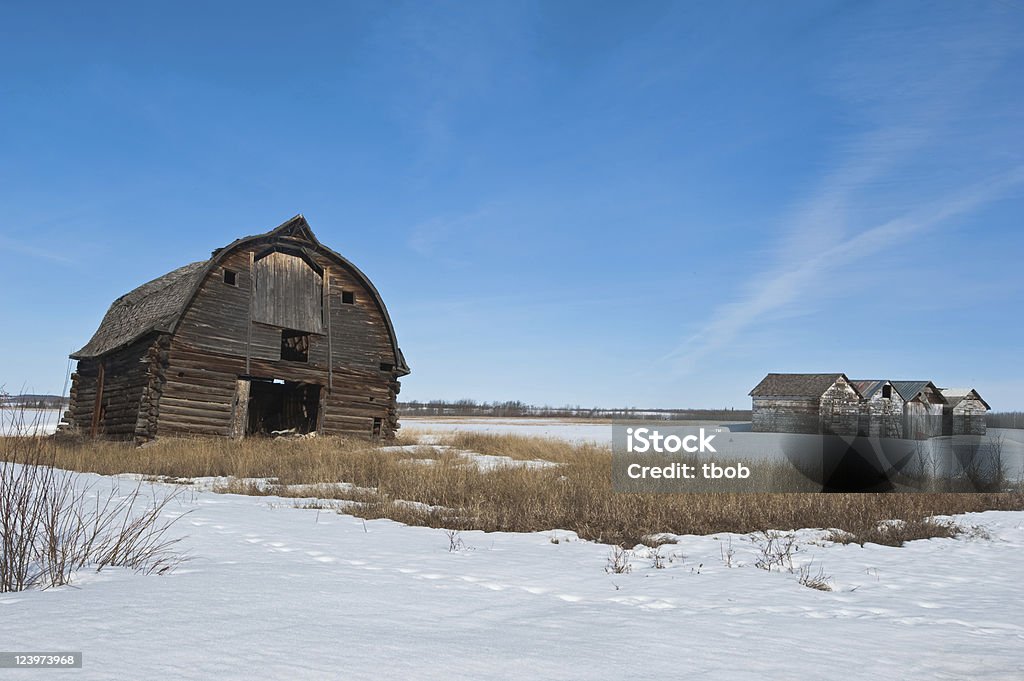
<point x="734" y="438"/>
<point x="277" y="592"/>
<point x="572" y="431"/>
<point x="28" y="421"/>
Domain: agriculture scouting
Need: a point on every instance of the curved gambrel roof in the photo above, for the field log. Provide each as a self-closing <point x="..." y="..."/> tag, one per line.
<point x="158" y="305"/>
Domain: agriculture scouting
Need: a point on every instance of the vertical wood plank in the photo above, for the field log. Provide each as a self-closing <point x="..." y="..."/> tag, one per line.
<point x="240" y="408"/>
<point x="248" y="336"/>
<point x="326" y="292"/>
<point x="98" y="402"/>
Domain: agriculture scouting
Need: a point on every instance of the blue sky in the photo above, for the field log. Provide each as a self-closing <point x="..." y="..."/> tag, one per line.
<point x="647" y="204"/>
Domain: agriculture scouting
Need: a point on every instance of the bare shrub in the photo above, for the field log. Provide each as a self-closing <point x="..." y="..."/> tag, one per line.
<point x="455" y="542"/>
<point x="814" y="580"/>
<point x="776" y="550"/>
<point x="728" y="553"/>
<point x="619" y="561"/>
<point x="52" y="523"/>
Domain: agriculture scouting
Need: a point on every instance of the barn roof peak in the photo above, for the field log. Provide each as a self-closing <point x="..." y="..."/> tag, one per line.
<point x="296" y="227"/>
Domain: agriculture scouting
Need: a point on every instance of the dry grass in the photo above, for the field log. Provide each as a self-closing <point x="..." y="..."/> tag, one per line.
<point x="450" y="491"/>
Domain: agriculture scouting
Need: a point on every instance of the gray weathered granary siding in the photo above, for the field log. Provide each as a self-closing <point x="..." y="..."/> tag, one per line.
<point x="213" y="336"/>
<point x="881" y="410"/>
<point x="806" y="403"/>
<point x="827" y="403"/>
<point x="964" y="412"/>
<point x="922" y="409"/>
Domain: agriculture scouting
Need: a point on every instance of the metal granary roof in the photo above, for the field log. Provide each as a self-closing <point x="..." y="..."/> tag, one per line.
<point x="867" y="387"/>
<point x="911" y="389"/>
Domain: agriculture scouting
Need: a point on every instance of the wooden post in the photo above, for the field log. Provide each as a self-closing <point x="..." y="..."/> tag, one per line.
<point x="98" y="402"/>
<point x="240" y="408"/>
<point x="248" y="329"/>
<point x="327" y="318"/>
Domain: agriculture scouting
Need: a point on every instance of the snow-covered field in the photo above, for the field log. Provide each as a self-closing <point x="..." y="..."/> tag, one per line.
<point x="572" y="431"/>
<point x="277" y="592"/>
<point x="735" y="439"/>
<point x="28" y="421"/>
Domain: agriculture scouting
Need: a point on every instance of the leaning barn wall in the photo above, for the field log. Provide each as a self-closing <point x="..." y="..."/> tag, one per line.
<point x="125" y="393"/>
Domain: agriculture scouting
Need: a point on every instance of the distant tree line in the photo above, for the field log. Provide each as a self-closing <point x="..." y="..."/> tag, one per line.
<point x="1005" y="419"/>
<point x="33" y="401"/>
<point x="515" y="408"/>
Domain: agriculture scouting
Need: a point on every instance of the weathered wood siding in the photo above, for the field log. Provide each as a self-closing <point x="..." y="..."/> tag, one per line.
<point x="216" y="343"/>
<point x="882" y="416"/>
<point x="123" y="404"/>
<point x="840" y="409"/>
<point x="837" y="411"/>
<point x="968" y="418"/>
<point x="288" y="293"/>
<point x="786" y="415"/>
<point x="922" y="415"/>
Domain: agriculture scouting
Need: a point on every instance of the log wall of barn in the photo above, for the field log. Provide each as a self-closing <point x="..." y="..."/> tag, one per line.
<point x="208" y="354"/>
<point x="127" y="396"/>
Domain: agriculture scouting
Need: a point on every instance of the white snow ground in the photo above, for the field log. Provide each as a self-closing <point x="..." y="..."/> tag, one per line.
<point x="572" y="431"/>
<point x="277" y="592"/>
<point x="28" y="421"/>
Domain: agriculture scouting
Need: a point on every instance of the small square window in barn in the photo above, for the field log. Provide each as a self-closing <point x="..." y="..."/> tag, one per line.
<point x="386" y="366"/>
<point x="294" y="346"/>
<point x="230" y="277"/>
<point x="887" y="391"/>
<point x="348" y="297"/>
<point x="377" y="423"/>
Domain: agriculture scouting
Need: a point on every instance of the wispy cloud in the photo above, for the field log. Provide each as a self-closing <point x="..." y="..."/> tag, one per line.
<point x="22" y="248"/>
<point x="793" y="279"/>
<point x="827" y="232"/>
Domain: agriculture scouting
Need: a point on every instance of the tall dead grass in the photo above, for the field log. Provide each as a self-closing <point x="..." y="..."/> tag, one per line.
<point x="435" y="487"/>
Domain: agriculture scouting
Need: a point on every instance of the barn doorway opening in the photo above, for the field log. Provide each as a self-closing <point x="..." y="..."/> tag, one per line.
<point x="282" y="408"/>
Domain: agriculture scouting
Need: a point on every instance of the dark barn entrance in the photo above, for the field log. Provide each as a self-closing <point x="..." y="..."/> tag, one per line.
<point x="277" y="407"/>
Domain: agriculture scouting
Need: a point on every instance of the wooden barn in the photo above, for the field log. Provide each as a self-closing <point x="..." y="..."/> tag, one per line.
<point x="964" y="412"/>
<point x="806" y="403"/>
<point x="881" y="410"/>
<point x="275" y="332"/>
<point x="923" y="405"/>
